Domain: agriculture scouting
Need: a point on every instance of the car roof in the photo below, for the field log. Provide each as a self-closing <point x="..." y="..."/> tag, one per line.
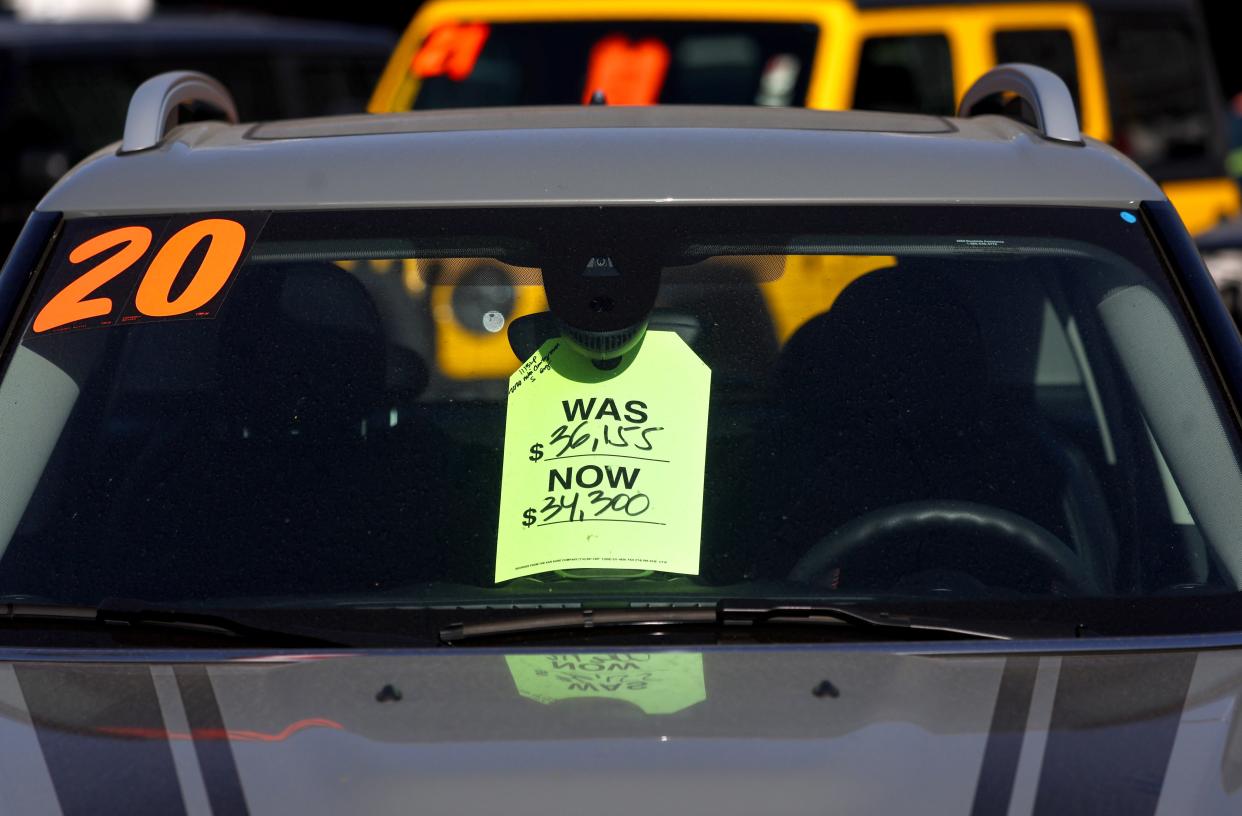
<point x="599" y="155"/>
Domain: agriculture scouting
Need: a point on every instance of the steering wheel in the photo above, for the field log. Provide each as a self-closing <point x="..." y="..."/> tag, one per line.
<point x="922" y="517"/>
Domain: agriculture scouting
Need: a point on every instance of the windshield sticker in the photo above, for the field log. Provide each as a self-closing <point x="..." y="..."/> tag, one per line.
<point x="604" y="469"/>
<point x="657" y="683"/>
<point x="451" y="51"/>
<point x="107" y="274"/>
<point x="628" y="73"/>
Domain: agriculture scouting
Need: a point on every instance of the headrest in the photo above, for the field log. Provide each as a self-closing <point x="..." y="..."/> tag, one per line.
<point x="900" y="344"/>
<point x="303" y="349"/>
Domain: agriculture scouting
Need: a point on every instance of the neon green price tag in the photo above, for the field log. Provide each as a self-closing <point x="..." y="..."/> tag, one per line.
<point x="604" y="469"/>
<point x="658" y="683"/>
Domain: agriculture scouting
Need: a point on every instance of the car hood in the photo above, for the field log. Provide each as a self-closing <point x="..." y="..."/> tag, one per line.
<point x="757" y="730"/>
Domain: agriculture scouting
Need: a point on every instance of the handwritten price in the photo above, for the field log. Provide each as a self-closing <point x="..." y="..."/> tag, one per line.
<point x="613" y="437"/>
<point x="629" y="504"/>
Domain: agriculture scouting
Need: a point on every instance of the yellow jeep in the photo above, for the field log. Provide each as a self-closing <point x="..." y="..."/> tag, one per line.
<point x="1139" y="72"/>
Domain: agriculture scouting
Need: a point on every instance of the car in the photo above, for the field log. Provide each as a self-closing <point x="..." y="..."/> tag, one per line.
<point x="1233" y="158"/>
<point x="1222" y="245"/>
<point x="1222" y="253"/>
<point x="66" y="84"/>
<point x="1140" y="70"/>
<point x="962" y="534"/>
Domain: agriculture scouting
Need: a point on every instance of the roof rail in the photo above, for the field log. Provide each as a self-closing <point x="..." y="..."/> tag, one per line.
<point x="1044" y="92"/>
<point x="154" y="107"/>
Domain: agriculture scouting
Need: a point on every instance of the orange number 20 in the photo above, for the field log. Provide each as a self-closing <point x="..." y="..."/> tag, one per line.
<point x="73" y="303"/>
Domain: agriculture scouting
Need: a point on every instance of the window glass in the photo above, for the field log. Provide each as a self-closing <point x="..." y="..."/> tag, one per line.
<point x="905" y="75"/>
<point x="471" y="65"/>
<point x="1160" y="92"/>
<point x="329" y="427"/>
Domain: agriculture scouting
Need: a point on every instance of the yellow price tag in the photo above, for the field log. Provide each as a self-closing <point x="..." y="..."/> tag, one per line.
<point x="604" y="469"/>
<point x="656" y="682"/>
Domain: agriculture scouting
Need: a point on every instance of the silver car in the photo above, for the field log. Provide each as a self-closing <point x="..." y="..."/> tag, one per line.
<point x="617" y="460"/>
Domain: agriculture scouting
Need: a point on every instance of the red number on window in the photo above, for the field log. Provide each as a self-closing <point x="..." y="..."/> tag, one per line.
<point x="628" y="73"/>
<point x="451" y="50"/>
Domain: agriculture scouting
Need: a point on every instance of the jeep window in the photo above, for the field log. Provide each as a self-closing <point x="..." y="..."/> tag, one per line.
<point x="632" y="62"/>
<point x="905" y="75"/>
<point x="333" y="433"/>
<point x="1160" y="92"/>
<point x="1048" y="48"/>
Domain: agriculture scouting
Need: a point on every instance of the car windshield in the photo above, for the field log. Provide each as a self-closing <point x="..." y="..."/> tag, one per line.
<point x="337" y="408"/>
<point x="632" y="63"/>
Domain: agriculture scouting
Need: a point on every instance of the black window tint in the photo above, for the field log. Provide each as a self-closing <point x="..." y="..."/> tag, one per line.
<point x="548" y="64"/>
<point x="334" y="434"/>
<point x="905" y="75"/>
<point x="330" y="84"/>
<point x="1048" y="48"/>
<point x="1161" y="94"/>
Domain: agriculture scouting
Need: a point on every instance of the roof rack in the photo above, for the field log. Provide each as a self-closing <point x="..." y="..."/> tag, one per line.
<point x="154" y="109"/>
<point x="1046" y="96"/>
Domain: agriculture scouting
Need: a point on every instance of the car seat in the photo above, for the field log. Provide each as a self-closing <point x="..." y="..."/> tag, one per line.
<point x="288" y="481"/>
<point x="886" y="399"/>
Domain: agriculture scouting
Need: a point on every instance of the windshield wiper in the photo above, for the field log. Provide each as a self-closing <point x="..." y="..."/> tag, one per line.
<point x="726" y="614"/>
<point x="141" y="615"/>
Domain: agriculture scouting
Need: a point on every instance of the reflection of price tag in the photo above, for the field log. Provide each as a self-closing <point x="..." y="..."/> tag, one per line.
<point x="604" y="468"/>
<point x="658" y="682"/>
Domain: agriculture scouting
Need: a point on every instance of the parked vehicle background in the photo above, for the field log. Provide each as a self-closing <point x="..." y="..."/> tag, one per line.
<point x="1140" y="70"/>
<point x="1158" y="98"/>
<point x="64" y="87"/>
